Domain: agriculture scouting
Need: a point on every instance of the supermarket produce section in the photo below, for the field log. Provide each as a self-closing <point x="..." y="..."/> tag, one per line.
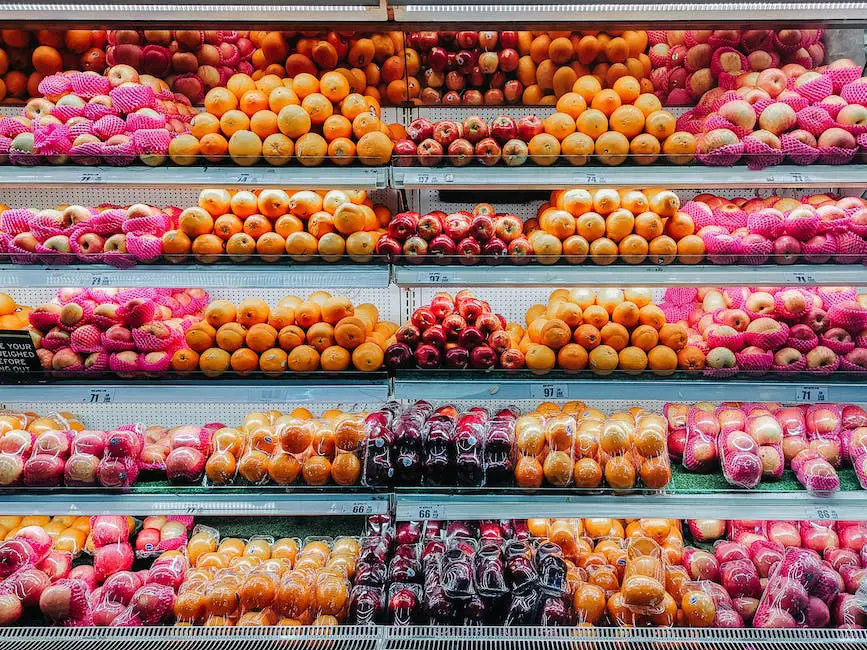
<point x="353" y="325"/>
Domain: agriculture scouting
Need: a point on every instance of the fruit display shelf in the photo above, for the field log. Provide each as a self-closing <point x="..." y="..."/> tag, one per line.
<point x="312" y="389"/>
<point x="147" y="498"/>
<point x="366" y="178"/>
<point x="362" y="276"/>
<point x="559" y="385"/>
<point x="712" y="11"/>
<point x="483" y="275"/>
<point x="215" y="12"/>
<point x="368" y="637"/>
<point x="627" y="176"/>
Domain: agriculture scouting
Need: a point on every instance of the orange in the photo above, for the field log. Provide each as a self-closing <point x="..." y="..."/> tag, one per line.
<point x="587" y="86"/>
<point x="245" y="148"/>
<point x="603" y="360"/>
<point x="559" y="125"/>
<point x="679" y="148"/>
<point x="293" y="121"/>
<point x="367" y="357"/>
<point x="627" y="120"/>
<point x="204" y="123"/>
<point x="606" y="101"/>
<point x="374" y="148"/>
<point x="627" y="88"/>
<point x="318" y="107"/>
<point x="544" y="149"/>
<point x="648" y="103"/>
<point x="662" y="360"/>
<point x="253" y="101"/>
<point x="305" y="84"/>
<point x="690" y="249"/>
<point x="311" y="149"/>
<point x="652" y="315"/>
<point x="214" y="362"/>
<point x="572" y="104"/>
<point x="263" y="123"/>
<point x="273" y="362"/>
<point x="648" y="225"/>
<point x="281" y="97"/>
<point x="240" y="83"/>
<point x="663" y="250"/>
<point x="214" y="147"/>
<point x="660" y="124"/>
<point x="233" y="121"/>
<point x="572" y="357"/>
<point x="614" y="335"/>
<point x="619" y="224"/>
<point x="277" y="149"/>
<point x="644" y="149"/>
<point x="184" y="149"/>
<point x="593" y="123"/>
<point x="632" y="360"/>
<point x="612" y="148"/>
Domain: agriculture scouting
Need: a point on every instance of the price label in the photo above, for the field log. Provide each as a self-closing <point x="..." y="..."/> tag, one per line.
<point x="90" y="177"/>
<point x="100" y="280"/>
<point x="822" y="513"/>
<point x="449" y="178"/>
<point x="245" y="178"/>
<point x="812" y="394"/>
<point x="431" y="512"/>
<point x="428" y="179"/>
<point x="591" y="179"/>
<point x="357" y="508"/>
<point x="800" y="177"/>
<point x="99" y="396"/>
<point x="272" y="395"/>
<point x="549" y="391"/>
<point x="801" y="278"/>
<point x="436" y="277"/>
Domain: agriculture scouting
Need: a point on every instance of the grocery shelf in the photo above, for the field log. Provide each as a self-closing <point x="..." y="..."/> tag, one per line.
<point x="324" y="388"/>
<point x="371" y="637"/>
<point x="180" y="500"/>
<point x="413" y="505"/>
<point x="365" y="178"/>
<point x="590" y="275"/>
<point x="196" y="11"/>
<point x="693" y="177"/>
<point x="623" y="11"/>
<point x="264" y="276"/>
<point x="557" y="385"/>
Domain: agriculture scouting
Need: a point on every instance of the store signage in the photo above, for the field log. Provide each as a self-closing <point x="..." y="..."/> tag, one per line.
<point x="17" y="355"/>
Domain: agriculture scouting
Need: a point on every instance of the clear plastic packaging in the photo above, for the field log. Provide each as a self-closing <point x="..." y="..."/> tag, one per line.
<point x="650" y="448"/>
<point x="815" y="473"/>
<point x="739" y="455"/>
<point x="404" y="604"/>
<point x="643" y="585"/>
<point x="531" y="446"/>
<point x="700" y="452"/>
<point x="615" y="444"/>
<point x="499" y="450"/>
<point x="823" y="431"/>
<point x="559" y="440"/>
<point x="794" y="425"/>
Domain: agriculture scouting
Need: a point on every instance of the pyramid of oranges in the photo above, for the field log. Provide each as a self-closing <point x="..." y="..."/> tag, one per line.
<point x="604" y="330"/>
<point x="608" y="225"/>
<point x="280" y="120"/>
<point x="12" y="315"/>
<point x="324" y="332"/>
<point x="612" y="125"/>
<point x="271" y="224"/>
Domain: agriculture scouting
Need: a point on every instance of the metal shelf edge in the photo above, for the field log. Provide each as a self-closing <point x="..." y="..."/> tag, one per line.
<point x="727" y="505"/>
<point x="259" y="276"/>
<point x="478" y="387"/>
<point x="587" y="274"/>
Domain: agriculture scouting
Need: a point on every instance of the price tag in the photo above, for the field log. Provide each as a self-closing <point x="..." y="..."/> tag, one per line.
<point x="90" y="177"/>
<point x="17" y="354"/>
<point x="449" y="178"/>
<point x="812" y="394"/>
<point x="800" y="177"/>
<point x="801" y="278"/>
<point x="549" y="391"/>
<point x="99" y="396"/>
<point x="272" y="395"/>
<point x="591" y="179"/>
<point x="427" y="179"/>
<point x="100" y="280"/>
<point x="436" y="277"/>
<point x="822" y="513"/>
<point x="350" y="508"/>
<point x="245" y="178"/>
<point x="434" y="512"/>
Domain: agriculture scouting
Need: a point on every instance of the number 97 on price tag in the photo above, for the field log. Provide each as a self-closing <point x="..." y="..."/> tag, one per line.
<point x="549" y="391"/>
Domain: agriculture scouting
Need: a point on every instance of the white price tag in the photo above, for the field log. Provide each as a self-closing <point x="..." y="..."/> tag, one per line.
<point x="350" y="508"/>
<point x="424" y="178"/>
<point x="435" y="277"/>
<point x="812" y="394"/>
<point x="90" y="177"/>
<point x="100" y="280"/>
<point x="591" y="179"/>
<point x="549" y="391"/>
<point x="801" y="278"/>
<point x="432" y="512"/>
<point x="245" y="178"/>
<point x="800" y="177"/>
<point x="821" y="513"/>
<point x="99" y="396"/>
<point x="272" y="395"/>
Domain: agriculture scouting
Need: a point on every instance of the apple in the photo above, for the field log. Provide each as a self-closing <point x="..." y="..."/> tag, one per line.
<point x="460" y="152"/>
<point x="508" y="227"/>
<point x="777" y="118"/>
<point x="468" y="251"/>
<point x="773" y="81"/>
<point x="442" y="246"/>
<point x="482" y="228"/>
<point x="740" y="113"/>
<point x="528" y="127"/>
<point x="822" y="357"/>
<point x="488" y="152"/>
<point x="447" y="131"/>
<point x="853" y="115"/>
<point x="503" y="129"/>
<point x="837" y="137"/>
<point x="430" y="153"/>
<point x="427" y="357"/>
<point x="474" y="128"/>
<point x="456" y="226"/>
<point x="419" y="130"/>
<point x="429" y="226"/>
<point x="520" y="250"/>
